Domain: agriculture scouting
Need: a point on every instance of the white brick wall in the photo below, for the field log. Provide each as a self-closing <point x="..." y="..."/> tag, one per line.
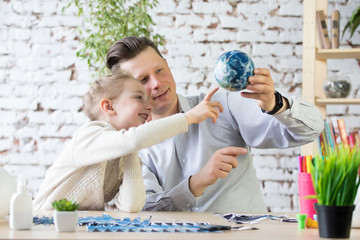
<point x="39" y="103"/>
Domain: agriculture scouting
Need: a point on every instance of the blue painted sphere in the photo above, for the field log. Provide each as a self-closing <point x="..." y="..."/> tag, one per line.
<point x="232" y="70"/>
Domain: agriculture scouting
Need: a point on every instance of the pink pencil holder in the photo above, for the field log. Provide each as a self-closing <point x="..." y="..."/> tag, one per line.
<point x="306" y="188"/>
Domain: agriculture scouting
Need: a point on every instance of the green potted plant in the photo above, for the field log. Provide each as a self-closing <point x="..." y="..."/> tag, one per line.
<point x="336" y="181"/>
<point x="65" y="215"/>
<point x="106" y="22"/>
<point x="353" y="23"/>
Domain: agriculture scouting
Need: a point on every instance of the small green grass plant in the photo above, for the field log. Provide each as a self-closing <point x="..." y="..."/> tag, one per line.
<point x="335" y="176"/>
<point x="65" y="205"/>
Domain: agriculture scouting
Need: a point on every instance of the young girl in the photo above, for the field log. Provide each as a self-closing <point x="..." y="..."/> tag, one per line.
<point x="101" y="163"/>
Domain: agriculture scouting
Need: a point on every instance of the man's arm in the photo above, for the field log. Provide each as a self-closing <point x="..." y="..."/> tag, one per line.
<point x="179" y="198"/>
<point x="301" y="124"/>
<point x="259" y="129"/>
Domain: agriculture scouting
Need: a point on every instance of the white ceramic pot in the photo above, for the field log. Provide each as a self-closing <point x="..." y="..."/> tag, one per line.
<point x="356" y="214"/>
<point x="7" y="188"/>
<point x="65" y="221"/>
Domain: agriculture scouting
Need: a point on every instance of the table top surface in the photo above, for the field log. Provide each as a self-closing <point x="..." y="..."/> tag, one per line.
<point x="267" y="229"/>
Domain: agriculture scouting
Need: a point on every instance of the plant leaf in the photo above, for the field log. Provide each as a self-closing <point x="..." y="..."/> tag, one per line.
<point x="353" y="23"/>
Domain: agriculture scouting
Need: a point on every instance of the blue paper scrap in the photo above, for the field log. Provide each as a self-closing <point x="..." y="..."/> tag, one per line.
<point x="106" y="223"/>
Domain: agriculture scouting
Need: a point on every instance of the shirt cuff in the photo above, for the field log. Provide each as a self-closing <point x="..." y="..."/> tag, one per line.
<point x="183" y="198"/>
<point x="304" y="112"/>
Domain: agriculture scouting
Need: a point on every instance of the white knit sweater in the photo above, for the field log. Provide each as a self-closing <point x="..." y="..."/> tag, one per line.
<point x="101" y="163"/>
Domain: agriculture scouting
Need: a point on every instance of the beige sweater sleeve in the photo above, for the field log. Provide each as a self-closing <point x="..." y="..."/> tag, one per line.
<point x="131" y="196"/>
<point x="99" y="144"/>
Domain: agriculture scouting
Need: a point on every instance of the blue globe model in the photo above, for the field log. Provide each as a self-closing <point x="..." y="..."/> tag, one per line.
<point x="232" y="70"/>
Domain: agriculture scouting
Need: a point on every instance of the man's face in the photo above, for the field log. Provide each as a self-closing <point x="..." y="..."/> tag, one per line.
<point x="154" y="73"/>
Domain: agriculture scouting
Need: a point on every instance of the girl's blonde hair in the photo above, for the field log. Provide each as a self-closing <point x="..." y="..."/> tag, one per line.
<point x="109" y="87"/>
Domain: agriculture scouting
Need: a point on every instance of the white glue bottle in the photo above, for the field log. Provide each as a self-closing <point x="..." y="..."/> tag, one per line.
<point x="21" y="214"/>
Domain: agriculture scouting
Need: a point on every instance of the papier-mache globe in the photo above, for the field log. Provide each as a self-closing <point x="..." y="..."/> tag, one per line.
<point x="232" y="70"/>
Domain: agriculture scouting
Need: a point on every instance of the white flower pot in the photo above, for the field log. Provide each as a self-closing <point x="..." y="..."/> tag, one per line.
<point x="356" y="214"/>
<point x="65" y="221"/>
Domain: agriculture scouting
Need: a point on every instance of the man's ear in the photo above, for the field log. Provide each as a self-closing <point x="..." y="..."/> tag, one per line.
<point x="107" y="107"/>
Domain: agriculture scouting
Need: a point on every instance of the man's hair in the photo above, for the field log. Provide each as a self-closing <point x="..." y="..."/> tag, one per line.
<point x="126" y="49"/>
<point x="109" y="87"/>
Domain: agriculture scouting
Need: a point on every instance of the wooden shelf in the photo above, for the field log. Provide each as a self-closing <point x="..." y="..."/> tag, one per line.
<point x="338" y="53"/>
<point x="315" y="65"/>
<point x="344" y="101"/>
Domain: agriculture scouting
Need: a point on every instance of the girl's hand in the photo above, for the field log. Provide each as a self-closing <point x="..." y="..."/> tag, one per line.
<point x="149" y="119"/>
<point x="205" y="109"/>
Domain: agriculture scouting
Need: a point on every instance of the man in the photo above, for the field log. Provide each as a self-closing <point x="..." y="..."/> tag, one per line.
<point x="210" y="167"/>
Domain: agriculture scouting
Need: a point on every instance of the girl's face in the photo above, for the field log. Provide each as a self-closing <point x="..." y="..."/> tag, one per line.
<point x="131" y="106"/>
<point x="155" y="75"/>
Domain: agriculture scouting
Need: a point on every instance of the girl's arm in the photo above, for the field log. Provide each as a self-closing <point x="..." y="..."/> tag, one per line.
<point x="132" y="193"/>
<point x="99" y="141"/>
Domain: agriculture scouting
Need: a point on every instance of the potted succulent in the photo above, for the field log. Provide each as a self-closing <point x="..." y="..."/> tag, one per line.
<point x="336" y="181"/>
<point x="65" y="215"/>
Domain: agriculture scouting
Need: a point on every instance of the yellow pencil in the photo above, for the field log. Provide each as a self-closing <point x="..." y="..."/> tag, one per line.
<point x="308" y="162"/>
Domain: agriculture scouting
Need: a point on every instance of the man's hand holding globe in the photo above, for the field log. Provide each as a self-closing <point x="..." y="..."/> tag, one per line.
<point x="235" y="71"/>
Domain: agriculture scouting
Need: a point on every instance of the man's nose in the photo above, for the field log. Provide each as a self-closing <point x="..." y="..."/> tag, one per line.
<point x="154" y="82"/>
